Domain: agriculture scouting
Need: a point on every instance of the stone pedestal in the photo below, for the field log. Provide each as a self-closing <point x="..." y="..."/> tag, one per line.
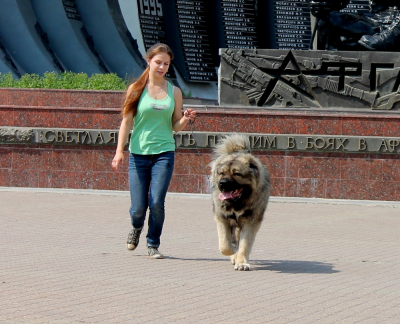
<point x="331" y="168"/>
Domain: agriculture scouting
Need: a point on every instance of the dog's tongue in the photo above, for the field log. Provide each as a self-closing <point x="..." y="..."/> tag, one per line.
<point x="225" y="195"/>
<point x="229" y="194"/>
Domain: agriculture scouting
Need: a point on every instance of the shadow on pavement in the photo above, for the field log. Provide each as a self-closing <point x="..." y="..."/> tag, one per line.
<point x="283" y="266"/>
<point x="197" y="259"/>
<point x="290" y="266"/>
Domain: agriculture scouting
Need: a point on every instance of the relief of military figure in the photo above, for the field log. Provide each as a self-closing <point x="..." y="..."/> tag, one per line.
<point x="309" y="79"/>
<point x="376" y="30"/>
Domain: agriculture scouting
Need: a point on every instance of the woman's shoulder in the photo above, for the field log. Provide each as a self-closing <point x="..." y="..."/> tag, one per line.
<point x="130" y="89"/>
<point x="175" y="90"/>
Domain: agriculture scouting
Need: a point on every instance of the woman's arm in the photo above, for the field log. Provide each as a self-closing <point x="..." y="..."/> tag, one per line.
<point x="178" y="121"/>
<point x="123" y="134"/>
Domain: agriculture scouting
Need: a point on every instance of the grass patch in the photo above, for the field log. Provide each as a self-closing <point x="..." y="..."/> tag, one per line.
<point x="65" y="80"/>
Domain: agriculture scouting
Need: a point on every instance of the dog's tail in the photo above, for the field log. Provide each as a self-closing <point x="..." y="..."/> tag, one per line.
<point x="233" y="143"/>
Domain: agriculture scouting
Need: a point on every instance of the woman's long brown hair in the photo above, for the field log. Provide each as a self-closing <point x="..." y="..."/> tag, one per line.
<point x="132" y="95"/>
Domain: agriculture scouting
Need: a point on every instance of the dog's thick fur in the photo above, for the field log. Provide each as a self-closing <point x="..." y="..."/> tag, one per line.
<point x="240" y="191"/>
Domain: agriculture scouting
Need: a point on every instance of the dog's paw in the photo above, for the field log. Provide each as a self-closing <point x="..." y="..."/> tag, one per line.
<point x="233" y="259"/>
<point x="242" y="267"/>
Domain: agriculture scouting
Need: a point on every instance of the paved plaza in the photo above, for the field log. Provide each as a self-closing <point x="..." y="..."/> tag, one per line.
<point x="63" y="260"/>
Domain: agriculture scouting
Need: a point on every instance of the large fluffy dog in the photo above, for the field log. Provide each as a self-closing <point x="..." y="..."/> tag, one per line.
<point x="240" y="190"/>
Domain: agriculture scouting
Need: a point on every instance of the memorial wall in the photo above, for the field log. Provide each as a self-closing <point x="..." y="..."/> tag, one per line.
<point x="239" y="23"/>
<point x="66" y="139"/>
<point x="292" y="24"/>
<point x="151" y="19"/>
<point x="71" y="9"/>
<point x="357" y="7"/>
<point x="106" y="36"/>
<point x="195" y="30"/>
<point x="326" y="123"/>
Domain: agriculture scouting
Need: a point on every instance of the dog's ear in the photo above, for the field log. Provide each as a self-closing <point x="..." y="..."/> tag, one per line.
<point x="253" y="165"/>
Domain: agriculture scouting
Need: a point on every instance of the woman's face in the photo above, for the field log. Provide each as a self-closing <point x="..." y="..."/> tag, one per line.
<point x="159" y="64"/>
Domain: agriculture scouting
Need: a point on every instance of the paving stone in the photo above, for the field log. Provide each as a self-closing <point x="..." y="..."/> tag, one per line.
<point x="63" y="260"/>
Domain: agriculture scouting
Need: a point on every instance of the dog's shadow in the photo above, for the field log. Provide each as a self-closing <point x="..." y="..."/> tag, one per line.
<point x="293" y="266"/>
<point x="282" y="266"/>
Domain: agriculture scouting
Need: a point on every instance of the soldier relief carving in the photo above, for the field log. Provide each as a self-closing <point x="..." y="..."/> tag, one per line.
<point x="376" y="30"/>
<point x="309" y="79"/>
<point x="356" y="65"/>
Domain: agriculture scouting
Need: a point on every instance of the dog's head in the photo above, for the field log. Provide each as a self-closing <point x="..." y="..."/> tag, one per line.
<point x="236" y="176"/>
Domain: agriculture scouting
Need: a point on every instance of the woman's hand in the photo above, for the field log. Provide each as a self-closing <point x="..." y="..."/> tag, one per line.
<point x="117" y="160"/>
<point x="190" y="114"/>
<point x="179" y="122"/>
<point x="123" y="134"/>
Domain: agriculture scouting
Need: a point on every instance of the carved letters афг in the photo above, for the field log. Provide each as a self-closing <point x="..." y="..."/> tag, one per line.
<point x="309" y="79"/>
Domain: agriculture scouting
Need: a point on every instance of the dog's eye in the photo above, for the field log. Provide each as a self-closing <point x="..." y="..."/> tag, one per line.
<point x="237" y="174"/>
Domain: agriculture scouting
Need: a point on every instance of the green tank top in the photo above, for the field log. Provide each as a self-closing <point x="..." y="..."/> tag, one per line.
<point x="152" y="127"/>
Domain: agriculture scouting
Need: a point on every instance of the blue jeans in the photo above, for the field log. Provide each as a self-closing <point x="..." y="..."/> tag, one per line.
<point x="149" y="178"/>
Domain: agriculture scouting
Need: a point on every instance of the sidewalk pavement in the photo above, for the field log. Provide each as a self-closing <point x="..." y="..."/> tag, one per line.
<point x="63" y="260"/>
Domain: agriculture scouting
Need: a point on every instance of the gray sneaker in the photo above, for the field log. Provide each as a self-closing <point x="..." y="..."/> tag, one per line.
<point x="154" y="253"/>
<point x="133" y="239"/>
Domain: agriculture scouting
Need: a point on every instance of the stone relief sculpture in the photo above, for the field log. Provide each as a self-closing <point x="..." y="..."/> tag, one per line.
<point x="16" y="135"/>
<point x="309" y="79"/>
<point x="377" y="30"/>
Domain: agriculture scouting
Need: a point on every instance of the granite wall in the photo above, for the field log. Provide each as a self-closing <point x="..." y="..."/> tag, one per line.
<point x="294" y="174"/>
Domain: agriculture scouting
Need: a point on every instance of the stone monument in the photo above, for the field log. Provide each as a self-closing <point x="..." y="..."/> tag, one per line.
<point x="309" y="79"/>
<point x="376" y="30"/>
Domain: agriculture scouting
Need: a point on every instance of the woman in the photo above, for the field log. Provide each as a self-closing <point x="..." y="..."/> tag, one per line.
<point x="154" y="107"/>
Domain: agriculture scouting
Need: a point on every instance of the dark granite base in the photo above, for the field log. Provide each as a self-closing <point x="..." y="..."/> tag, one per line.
<point x="305" y="175"/>
<point x="294" y="174"/>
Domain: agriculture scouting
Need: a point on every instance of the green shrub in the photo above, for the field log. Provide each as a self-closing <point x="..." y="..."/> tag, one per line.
<point x="29" y="81"/>
<point x="71" y="80"/>
<point x="50" y="80"/>
<point x="6" y="80"/>
<point x="64" y="80"/>
<point x="109" y="81"/>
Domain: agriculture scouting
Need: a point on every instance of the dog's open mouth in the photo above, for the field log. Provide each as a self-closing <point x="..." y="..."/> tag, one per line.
<point x="224" y="195"/>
